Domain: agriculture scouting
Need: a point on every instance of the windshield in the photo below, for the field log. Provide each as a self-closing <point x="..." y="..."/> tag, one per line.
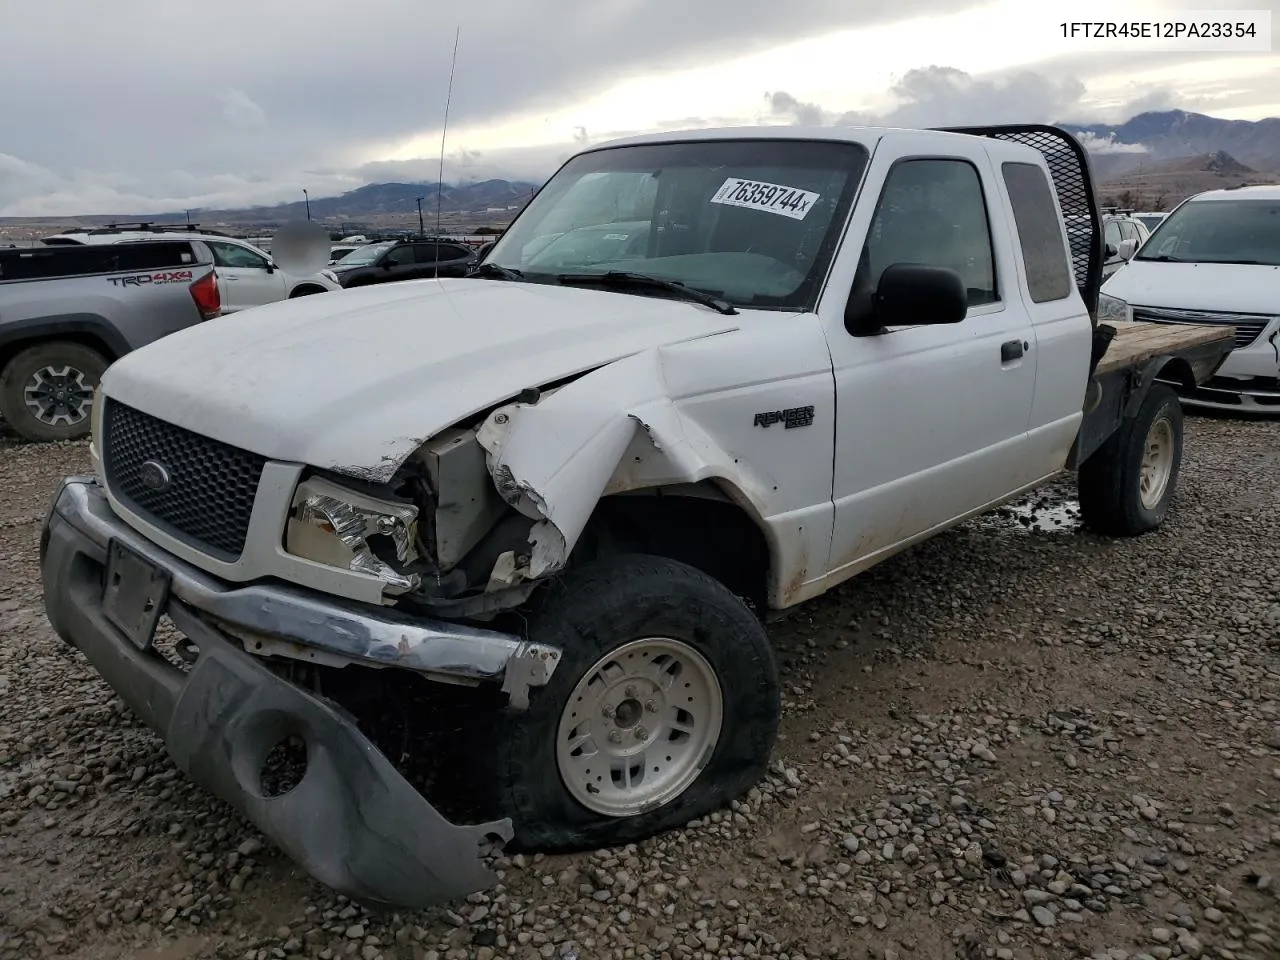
<point x="364" y="256"/>
<point x="1218" y="231"/>
<point x="754" y="222"/>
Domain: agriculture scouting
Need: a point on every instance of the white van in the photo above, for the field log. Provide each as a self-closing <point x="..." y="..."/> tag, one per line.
<point x="1214" y="260"/>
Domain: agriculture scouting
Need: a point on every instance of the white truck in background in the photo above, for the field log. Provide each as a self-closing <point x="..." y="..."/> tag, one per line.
<point x="581" y="492"/>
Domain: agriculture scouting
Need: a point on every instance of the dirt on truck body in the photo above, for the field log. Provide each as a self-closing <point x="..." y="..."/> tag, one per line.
<point x="746" y="366"/>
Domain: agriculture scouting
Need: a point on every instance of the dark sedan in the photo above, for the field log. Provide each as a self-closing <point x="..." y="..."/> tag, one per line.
<point x="403" y="260"/>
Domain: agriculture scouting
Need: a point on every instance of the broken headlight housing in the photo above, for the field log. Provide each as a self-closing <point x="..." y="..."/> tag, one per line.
<point x="338" y="527"/>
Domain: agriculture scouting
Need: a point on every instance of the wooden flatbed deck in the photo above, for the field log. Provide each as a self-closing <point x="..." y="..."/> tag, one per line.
<point x="1135" y="342"/>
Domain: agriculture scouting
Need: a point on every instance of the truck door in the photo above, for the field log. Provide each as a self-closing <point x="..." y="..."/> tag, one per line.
<point x="931" y="420"/>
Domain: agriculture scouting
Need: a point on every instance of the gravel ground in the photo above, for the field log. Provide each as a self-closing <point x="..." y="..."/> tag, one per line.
<point x="1017" y="740"/>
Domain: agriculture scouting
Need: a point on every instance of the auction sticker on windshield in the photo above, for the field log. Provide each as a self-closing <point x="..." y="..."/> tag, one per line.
<point x="770" y="197"/>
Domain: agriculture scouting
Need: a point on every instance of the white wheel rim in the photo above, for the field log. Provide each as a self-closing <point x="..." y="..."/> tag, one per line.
<point x="1157" y="463"/>
<point x="639" y="727"/>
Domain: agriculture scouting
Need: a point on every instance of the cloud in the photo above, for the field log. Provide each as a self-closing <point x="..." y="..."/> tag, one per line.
<point x="267" y="140"/>
<point x="313" y="86"/>
<point x="784" y="105"/>
<point x="240" y="110"/>
<point x="1108" y="144"/>
<point x="936" y="96"/>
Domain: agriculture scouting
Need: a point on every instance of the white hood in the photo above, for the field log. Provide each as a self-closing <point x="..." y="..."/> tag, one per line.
<point x="1230" y="287"/>
<point x="354" y="381"/>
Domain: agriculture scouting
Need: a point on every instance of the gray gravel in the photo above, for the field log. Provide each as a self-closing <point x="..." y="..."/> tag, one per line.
<point x="1015" y="741"/>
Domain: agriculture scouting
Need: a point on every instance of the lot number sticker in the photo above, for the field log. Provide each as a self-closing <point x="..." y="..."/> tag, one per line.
<point x="770" y="197"/>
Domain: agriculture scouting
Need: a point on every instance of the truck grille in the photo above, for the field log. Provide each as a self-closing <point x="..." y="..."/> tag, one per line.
<point x="1249" y="326"/>
<point x="200" y="490"/>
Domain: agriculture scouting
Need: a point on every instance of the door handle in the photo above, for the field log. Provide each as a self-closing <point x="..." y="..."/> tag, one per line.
<point x="1011" y="350"/>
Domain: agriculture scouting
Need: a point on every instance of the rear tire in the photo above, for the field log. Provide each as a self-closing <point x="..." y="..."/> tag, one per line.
<point x="1126" y="486"/>
<point x="46" y="391"/>
<point x="664" y="707"/>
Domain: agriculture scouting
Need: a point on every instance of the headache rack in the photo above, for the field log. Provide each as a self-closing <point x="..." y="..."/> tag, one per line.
<point x="1072" y="176"/>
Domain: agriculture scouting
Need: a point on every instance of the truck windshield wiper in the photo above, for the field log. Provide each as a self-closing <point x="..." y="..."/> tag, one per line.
<point x="496" y="271"/>
<point x="1163" y="258"/>
<point x="620" y="279"/>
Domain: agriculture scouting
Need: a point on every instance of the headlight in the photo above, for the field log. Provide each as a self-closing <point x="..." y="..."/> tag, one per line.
<point x="342" y="528"/>
<point x="329" y="275"/>
<point x="1113" y="309"/>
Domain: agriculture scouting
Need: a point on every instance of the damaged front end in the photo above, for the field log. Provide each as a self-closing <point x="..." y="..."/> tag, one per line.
<point x="352" y="819"/>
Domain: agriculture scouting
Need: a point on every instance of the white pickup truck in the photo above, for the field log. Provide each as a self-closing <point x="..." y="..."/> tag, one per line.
<point x="582" y="491"/>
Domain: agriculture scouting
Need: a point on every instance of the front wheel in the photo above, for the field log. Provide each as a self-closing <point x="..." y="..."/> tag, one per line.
<point x="1127" y="485"/>
<point x="46" y="390"/>
<point x="664" y="707"/>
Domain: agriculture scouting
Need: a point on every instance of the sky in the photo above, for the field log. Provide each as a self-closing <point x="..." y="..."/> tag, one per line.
<point x="148" y="106"/>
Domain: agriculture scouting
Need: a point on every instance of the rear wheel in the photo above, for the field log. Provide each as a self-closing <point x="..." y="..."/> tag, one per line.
<point x="1127" y="485"/>
<point x="46" y="391"/>
<point x="664" y="707"/>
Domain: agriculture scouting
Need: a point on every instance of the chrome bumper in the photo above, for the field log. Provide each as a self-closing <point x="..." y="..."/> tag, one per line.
<point x="304" y="625"/>
<point x="1237" y="394"/>
<point x="352" y="821"/>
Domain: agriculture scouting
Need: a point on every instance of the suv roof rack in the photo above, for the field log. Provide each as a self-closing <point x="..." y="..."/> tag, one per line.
<point x="150" y="226"/>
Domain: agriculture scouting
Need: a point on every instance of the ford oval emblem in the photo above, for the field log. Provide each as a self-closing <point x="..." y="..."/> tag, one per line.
<point x="155" y="476"/>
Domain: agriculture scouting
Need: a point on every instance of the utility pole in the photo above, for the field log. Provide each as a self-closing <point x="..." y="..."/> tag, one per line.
<point x="306" y="196"/>
<point x="422" y="231"/>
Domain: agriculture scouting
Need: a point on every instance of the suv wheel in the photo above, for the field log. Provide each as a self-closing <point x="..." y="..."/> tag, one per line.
<point x="46" y="391"/>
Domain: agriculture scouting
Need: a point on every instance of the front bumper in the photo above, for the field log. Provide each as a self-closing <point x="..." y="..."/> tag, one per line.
<point x="352" y="821"/>
<point x="1237" y="394"/>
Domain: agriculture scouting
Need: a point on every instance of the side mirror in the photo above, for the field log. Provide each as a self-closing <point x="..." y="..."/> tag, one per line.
<point x="1127" y="249"/>
<point x="387" y="264"/>
<point x="908" y="295"/>
<point x="271" y="267"/>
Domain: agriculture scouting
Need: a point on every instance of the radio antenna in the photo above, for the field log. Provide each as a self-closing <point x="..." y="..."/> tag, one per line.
<point x="445" y="129"/>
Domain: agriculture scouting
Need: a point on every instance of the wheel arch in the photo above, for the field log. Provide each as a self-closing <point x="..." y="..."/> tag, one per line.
<point x="704" y="524"/>
<point x="87" y="329"/>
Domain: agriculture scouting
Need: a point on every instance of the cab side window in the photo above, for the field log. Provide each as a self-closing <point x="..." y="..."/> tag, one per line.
<point x="234" y="255"/>
<point x="933" y="212"/>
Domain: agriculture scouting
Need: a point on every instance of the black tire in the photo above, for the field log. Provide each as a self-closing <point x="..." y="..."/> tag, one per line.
<point x="22" y="371"/>
<point x="1110" y="481"/>
<point x="596" y="609"/>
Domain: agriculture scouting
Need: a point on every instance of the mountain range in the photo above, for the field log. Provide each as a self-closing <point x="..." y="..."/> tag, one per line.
<point x="1178" y="151"/>
<point x="1150" y="140"/>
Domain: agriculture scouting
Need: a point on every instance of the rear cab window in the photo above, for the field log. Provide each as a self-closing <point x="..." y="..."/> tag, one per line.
<point x="1035" y="215"/>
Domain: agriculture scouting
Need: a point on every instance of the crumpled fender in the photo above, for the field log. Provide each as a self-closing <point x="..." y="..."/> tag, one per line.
<point x="612" y="430"/>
